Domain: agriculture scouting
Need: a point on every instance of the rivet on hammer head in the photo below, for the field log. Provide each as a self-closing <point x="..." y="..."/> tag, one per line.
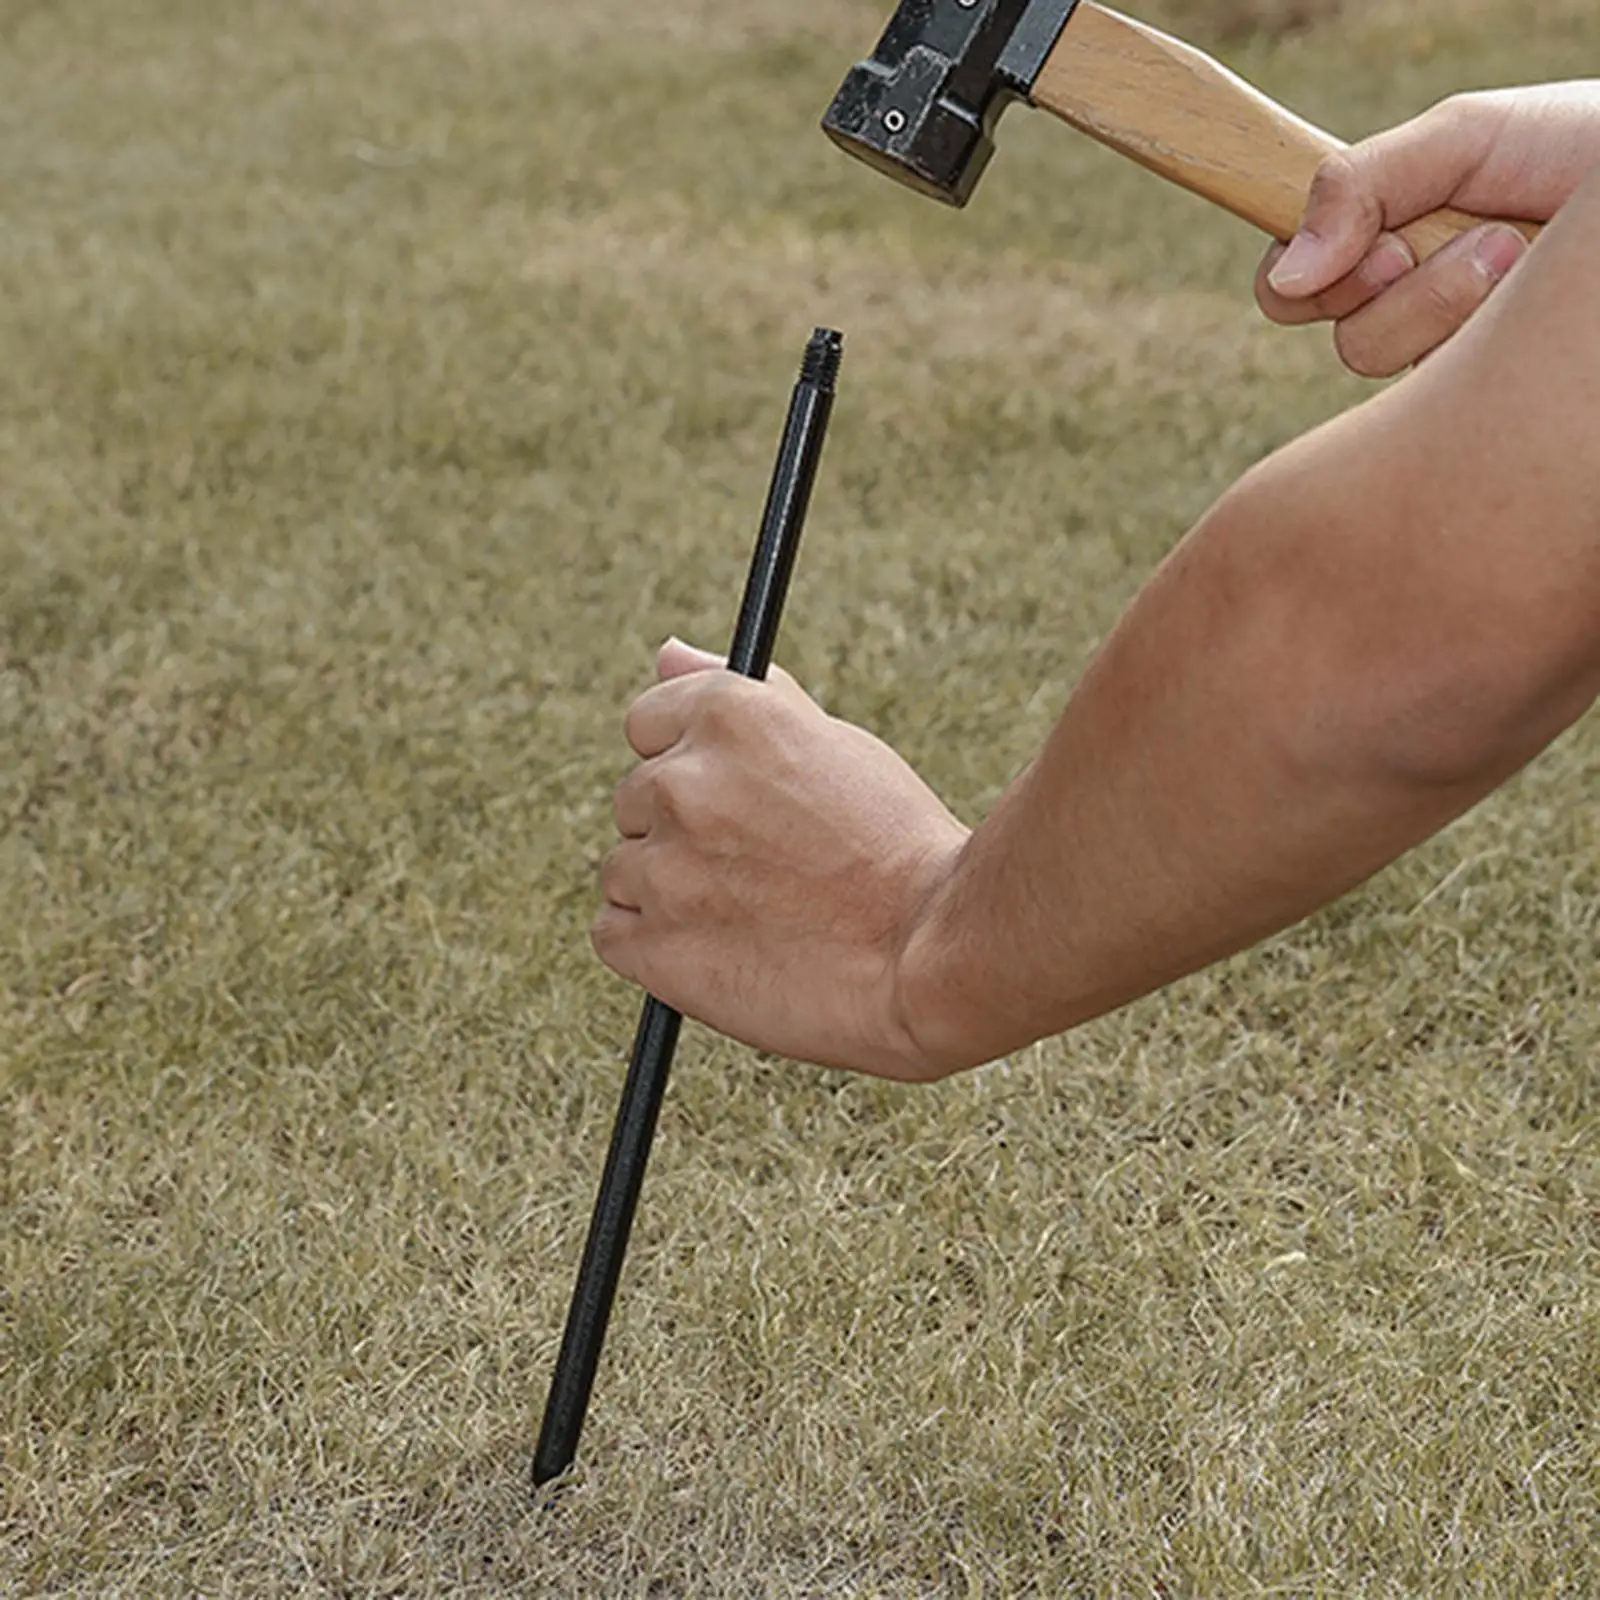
<point x="895" y="121"/>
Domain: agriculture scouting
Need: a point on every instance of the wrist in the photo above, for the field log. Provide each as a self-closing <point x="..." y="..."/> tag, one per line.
<point x="940" y="1021"/>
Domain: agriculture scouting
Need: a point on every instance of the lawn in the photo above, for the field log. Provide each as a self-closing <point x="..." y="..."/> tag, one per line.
<point x="379" y="384"/>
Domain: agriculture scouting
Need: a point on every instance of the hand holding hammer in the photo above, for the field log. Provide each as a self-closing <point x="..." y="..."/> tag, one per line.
<point x="925" y="107"/>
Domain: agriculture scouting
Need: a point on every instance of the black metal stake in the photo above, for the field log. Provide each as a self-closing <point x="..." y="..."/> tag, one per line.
<point x="751" y="655"/>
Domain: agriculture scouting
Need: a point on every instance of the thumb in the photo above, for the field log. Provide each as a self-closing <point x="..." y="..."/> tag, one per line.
<point x="1344" y="216"/>
<point x="676" y="659"/>
<point x="1383" y="183"/>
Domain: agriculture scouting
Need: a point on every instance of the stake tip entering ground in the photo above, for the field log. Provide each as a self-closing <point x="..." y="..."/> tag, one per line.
<point x="551" y="1482"/>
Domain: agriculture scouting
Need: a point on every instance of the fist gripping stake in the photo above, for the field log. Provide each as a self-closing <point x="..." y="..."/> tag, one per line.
<point x="754" y="638"/>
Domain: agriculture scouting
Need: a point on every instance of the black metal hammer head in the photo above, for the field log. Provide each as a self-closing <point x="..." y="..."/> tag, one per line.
<point x="924" y="108"/>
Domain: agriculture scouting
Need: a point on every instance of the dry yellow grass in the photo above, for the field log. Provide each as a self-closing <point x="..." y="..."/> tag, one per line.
<point x="704" y="25"/>
<point x="377" y="385"/>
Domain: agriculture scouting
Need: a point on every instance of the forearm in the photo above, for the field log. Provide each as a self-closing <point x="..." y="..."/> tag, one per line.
<point x="1212" y="781"/>
<point x="1364" y="639"/>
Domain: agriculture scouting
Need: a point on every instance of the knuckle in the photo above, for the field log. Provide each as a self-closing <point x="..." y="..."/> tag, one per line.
<point x="630" y="798"/>
<point x="605" y="938"/>
<point x="1343" y="197"/>
<point x="786" y="684"/>
<point x="610" y="939"/>
<point x="1333" y="179"/>
<point x="678" y="791"/>
<point x="667" y="791"/>
<point x="1457" y="108"/>
<point x="1334" y="172"/>
<point x="1461" y="119"/>
<point x="1451" y="294"/>
<point x="1444" y="120"/>
<point x="721" y="712"/>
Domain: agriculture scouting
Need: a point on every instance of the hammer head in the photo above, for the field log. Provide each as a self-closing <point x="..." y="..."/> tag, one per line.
<point x="924" y="108"/>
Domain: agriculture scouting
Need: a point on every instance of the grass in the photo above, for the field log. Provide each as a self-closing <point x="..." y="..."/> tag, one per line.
<point x="377" y="385"/>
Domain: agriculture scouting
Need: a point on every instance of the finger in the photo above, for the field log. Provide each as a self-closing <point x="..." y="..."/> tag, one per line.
<point x="622" y="877"/>
<point x="676" y="659"/>
<point x="1343" y="219"/>
<point x="1383" y="182"/>
<point x="658" y="719"/>
<point x="1421" y="165"/>
<point x="1390" y="260"/>
<point x="634" y="805"/>
<point x="1416" y="316"/>
<point x="614" y="935"/>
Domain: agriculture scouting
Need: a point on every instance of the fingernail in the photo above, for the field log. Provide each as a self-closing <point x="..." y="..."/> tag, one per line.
<point x="1390" y="262"/>
<point x="1303" y="267"/>
<point x="1499" y="250"/>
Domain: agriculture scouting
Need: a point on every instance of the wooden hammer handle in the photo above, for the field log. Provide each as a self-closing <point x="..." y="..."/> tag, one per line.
<point x="1173" y="109"/>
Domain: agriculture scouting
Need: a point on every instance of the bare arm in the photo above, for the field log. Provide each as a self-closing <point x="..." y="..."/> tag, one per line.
<point x="1371" y="632"/>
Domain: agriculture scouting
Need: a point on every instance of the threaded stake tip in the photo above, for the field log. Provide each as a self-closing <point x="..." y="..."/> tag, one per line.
<point x="823" y="356"/>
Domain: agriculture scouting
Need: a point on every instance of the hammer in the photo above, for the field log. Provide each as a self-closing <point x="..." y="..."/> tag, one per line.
<point x="924" y="109"/>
